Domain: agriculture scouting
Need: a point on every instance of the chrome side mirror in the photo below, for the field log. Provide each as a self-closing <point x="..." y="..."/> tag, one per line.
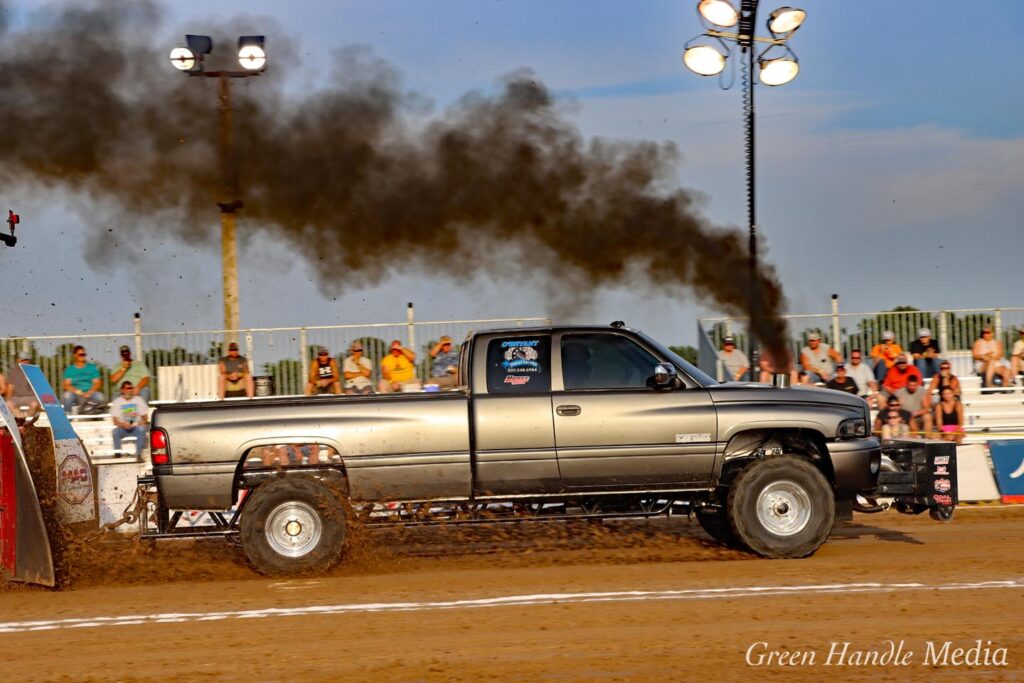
<point x="664" y="375"/>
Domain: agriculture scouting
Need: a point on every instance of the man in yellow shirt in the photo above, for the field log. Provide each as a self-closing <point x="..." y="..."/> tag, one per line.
<point x="398" y="368"/>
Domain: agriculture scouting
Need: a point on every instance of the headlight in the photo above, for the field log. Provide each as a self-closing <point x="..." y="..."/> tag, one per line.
<point x="853" y="428"/>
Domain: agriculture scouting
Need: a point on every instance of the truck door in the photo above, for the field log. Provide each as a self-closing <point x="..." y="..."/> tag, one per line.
<point x="513" y="434"/>
<point x="613" y="429"/>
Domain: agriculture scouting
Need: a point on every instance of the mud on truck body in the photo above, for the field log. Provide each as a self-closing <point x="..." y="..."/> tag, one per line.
<point x="548" y="423"/>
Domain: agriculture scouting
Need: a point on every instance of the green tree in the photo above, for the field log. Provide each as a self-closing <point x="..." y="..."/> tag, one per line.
<point x="688" y="353"/>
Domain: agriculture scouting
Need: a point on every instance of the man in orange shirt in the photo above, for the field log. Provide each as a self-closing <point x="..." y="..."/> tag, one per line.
<point x="885" y="354"/>
<point x="898" y="375"/>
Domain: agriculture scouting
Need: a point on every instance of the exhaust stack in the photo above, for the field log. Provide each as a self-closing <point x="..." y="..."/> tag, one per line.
<point x="780" y="380"/>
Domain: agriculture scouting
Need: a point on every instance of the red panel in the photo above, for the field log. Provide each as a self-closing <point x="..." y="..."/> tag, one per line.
<point x="1013" y="499"/>
<point x="8" y="507"/>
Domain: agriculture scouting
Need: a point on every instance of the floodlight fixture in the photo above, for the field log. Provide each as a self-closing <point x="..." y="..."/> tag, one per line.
<point x="704" y="60"/>
<point x="778" y="71"/>
<point x="200" y="45"/>
<point x="251" y="55"/>
<point x="785" y="20"/>
<point x="182" y="58"/>
<point x="718" y="12"/>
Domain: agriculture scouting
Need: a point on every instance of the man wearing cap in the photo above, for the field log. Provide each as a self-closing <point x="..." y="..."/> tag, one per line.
<point x="735" y="361"/>
<point x="357" y="369"/>
<point x="235" y="379"/>
<point x="818" y="360"/>
<point x="18" y="392"/>
<point x="925" y="350"/>
<point x="885" y="354"/>
<point x="397" y="368"/>
<point x="841" y="382"/>
<point x="898" y="375"/>
<point x="323" y="374"/>
<point x="134" y="372"/>
<point x="445" y="363"/>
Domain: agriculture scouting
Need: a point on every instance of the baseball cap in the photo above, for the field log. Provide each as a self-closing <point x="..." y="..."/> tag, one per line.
<point x="24" y="355"/>
<point x="125" y="349"/>
<point x="356" y="346"/>
<point x="814" y="336"/>
<point x="888" y="335"/>
<point x="233" y="346"/>
<point x="445" y="339"/>
<point x="924" y="332"/>
<point x="322" y="349"/>
<point x="396" y="344"/>
<point x="840" y="365"/>
<point x="729" y="340"/>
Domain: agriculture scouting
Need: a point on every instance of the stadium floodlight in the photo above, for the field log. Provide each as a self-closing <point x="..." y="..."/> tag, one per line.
<point x="785" y="20"/>
<point x="778" y="71"/>
<point x="251" y="54"/>
<point x="718" y="12"/>
<point x="704" y="60"/>
<point x="182" y="58"/>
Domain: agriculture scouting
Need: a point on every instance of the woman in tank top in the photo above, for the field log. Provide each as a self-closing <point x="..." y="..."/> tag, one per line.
<point x="949" y="415"/>
<point x="944" y="378"/>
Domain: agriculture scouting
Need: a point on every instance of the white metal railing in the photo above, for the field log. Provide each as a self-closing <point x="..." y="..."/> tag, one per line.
<point x="283" y="353"/>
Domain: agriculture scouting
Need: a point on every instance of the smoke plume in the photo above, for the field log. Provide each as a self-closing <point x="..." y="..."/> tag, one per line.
<point x="354" y="175"/>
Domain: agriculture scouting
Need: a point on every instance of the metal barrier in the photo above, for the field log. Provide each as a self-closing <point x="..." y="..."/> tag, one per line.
<point x="284" y="353"/>
<point x="956" y="330"/>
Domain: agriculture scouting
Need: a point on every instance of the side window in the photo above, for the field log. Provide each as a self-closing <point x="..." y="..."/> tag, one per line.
<point x="519" y="365"/>
<point x="605" y="361"/>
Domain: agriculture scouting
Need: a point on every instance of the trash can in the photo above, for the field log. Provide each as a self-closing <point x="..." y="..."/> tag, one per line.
<point x="263" y="385"/>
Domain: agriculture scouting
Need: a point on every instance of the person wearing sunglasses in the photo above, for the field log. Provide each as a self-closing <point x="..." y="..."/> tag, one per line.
<point x="324" y="377"/>
<point x="81" y="383"/>
<point x="943" y="380"/>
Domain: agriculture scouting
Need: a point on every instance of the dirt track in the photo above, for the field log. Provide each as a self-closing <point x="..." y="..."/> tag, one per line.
<point x="641" y="636"/>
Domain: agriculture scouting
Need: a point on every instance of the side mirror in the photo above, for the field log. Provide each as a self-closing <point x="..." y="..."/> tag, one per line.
<point x="664" y="375"/>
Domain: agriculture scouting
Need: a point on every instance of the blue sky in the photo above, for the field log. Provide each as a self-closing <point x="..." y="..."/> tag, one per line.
<point x="891" y="171"/>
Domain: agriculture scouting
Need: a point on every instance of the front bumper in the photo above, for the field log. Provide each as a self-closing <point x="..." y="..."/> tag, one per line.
<point x="856" y="463"/>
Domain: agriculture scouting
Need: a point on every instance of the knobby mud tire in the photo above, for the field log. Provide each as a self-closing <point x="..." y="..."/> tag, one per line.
<point x="317" y="506"/>
<point x="801" y="487"/>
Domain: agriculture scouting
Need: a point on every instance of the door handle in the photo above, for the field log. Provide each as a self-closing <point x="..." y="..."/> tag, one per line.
<point x="568" y="410"/>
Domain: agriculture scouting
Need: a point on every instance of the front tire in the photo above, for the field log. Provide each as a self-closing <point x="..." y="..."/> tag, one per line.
<point x="781" y="507"/>
<point x="293" y="526"/>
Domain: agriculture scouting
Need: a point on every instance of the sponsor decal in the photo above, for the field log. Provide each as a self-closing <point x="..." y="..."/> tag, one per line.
<point x="520" y="355"/>
<point x="516" y="380"/>
<point x="941" y="459"/>
<point x="941" y="470"/>
<point x="698" y="437"/>
<point x="943" y="485"/>
<point x="74" y="484"/>
<point x="942" y="499"/>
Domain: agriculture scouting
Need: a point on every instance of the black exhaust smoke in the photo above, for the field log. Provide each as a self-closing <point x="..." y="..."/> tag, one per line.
<point x="498" y="183"/>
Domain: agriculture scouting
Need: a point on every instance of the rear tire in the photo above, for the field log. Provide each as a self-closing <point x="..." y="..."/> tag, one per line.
<point x="293" y="526"/>
<point x="781" y="507"/>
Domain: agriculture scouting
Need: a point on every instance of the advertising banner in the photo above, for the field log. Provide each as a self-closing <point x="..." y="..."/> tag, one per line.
<point x="1008" y="460"/>
<point x="75" y="490"/>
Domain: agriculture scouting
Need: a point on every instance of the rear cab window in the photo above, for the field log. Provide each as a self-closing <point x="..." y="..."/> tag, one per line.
<point x="519" y="365"/>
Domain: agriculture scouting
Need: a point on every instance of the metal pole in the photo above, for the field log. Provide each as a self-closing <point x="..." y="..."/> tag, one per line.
<point x="410" y="316"/>
<point x="228" y="205"/>
<point x="138" y="337"/>
<point x="837" y="343"/>
<point x="304" y="356"/>
<point x="747" y="25"/>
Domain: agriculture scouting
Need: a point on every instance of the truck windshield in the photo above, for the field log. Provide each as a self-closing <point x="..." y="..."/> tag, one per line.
<point x="692" y="370"/>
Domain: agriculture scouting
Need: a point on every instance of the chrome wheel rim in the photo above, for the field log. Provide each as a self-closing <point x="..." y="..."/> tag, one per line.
<point x="293" y="529"/>
<point x="784" y="508"/>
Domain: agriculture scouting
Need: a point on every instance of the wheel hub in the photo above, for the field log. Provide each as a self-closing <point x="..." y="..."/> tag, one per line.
<point x="293" y="529"/>
<point x="784" y="508"/>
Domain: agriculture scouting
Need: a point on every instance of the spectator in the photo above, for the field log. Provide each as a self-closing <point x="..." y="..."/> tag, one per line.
<point x="818" y="359"/>
<point x="357" y="371"/>
<point x="235" y="379"/>
<point x="859" y="372"/>
<point x="949" y="415"/>
<point x="989" y="358"/>
<point x="81" y="383"/>
<point x="735" y="361"/>
<point x="885" y="355"/>
<point x="135" y="372"/>
<point x="918" y="403"/>
<point x="444" y="367"/>
<point x="944" y="379"/>
<point x="897" y="376"/>
<point x="19" y="393"/>
<point x="324" y="377"/>
<point x="130" y="415"/>
<point x="768" y="367"/>
<point x="842" y="382"/>
<point x="892" y="421"/>
<point x="925" y="350"/>
<point x="397" y="368"/>
<point x="1017" y="357"/>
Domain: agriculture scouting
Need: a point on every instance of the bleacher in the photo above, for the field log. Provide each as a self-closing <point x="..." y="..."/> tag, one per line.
<point x="991" y="412"/>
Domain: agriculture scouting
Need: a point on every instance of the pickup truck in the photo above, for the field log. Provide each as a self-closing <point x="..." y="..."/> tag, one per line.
<point x="546" y="423"/>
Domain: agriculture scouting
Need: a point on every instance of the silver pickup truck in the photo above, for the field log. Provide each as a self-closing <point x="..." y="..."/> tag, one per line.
<point x="547" y="423"/>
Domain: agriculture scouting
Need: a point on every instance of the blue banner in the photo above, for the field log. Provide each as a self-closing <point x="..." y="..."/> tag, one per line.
<point x="1008" y="460"/>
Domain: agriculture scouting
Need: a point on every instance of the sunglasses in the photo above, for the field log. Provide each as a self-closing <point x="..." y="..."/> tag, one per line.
<point x="322" y="354"/>
<point x="80" y="355"/>
<point x="944" y="367"/>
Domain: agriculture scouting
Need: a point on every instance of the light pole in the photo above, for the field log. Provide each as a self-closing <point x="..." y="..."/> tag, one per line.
<point x="778" y="66"/>
<point x="253" y="60"/>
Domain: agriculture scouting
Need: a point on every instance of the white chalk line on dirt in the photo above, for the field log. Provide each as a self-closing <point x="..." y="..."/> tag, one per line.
<point x="731" y="593"/>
